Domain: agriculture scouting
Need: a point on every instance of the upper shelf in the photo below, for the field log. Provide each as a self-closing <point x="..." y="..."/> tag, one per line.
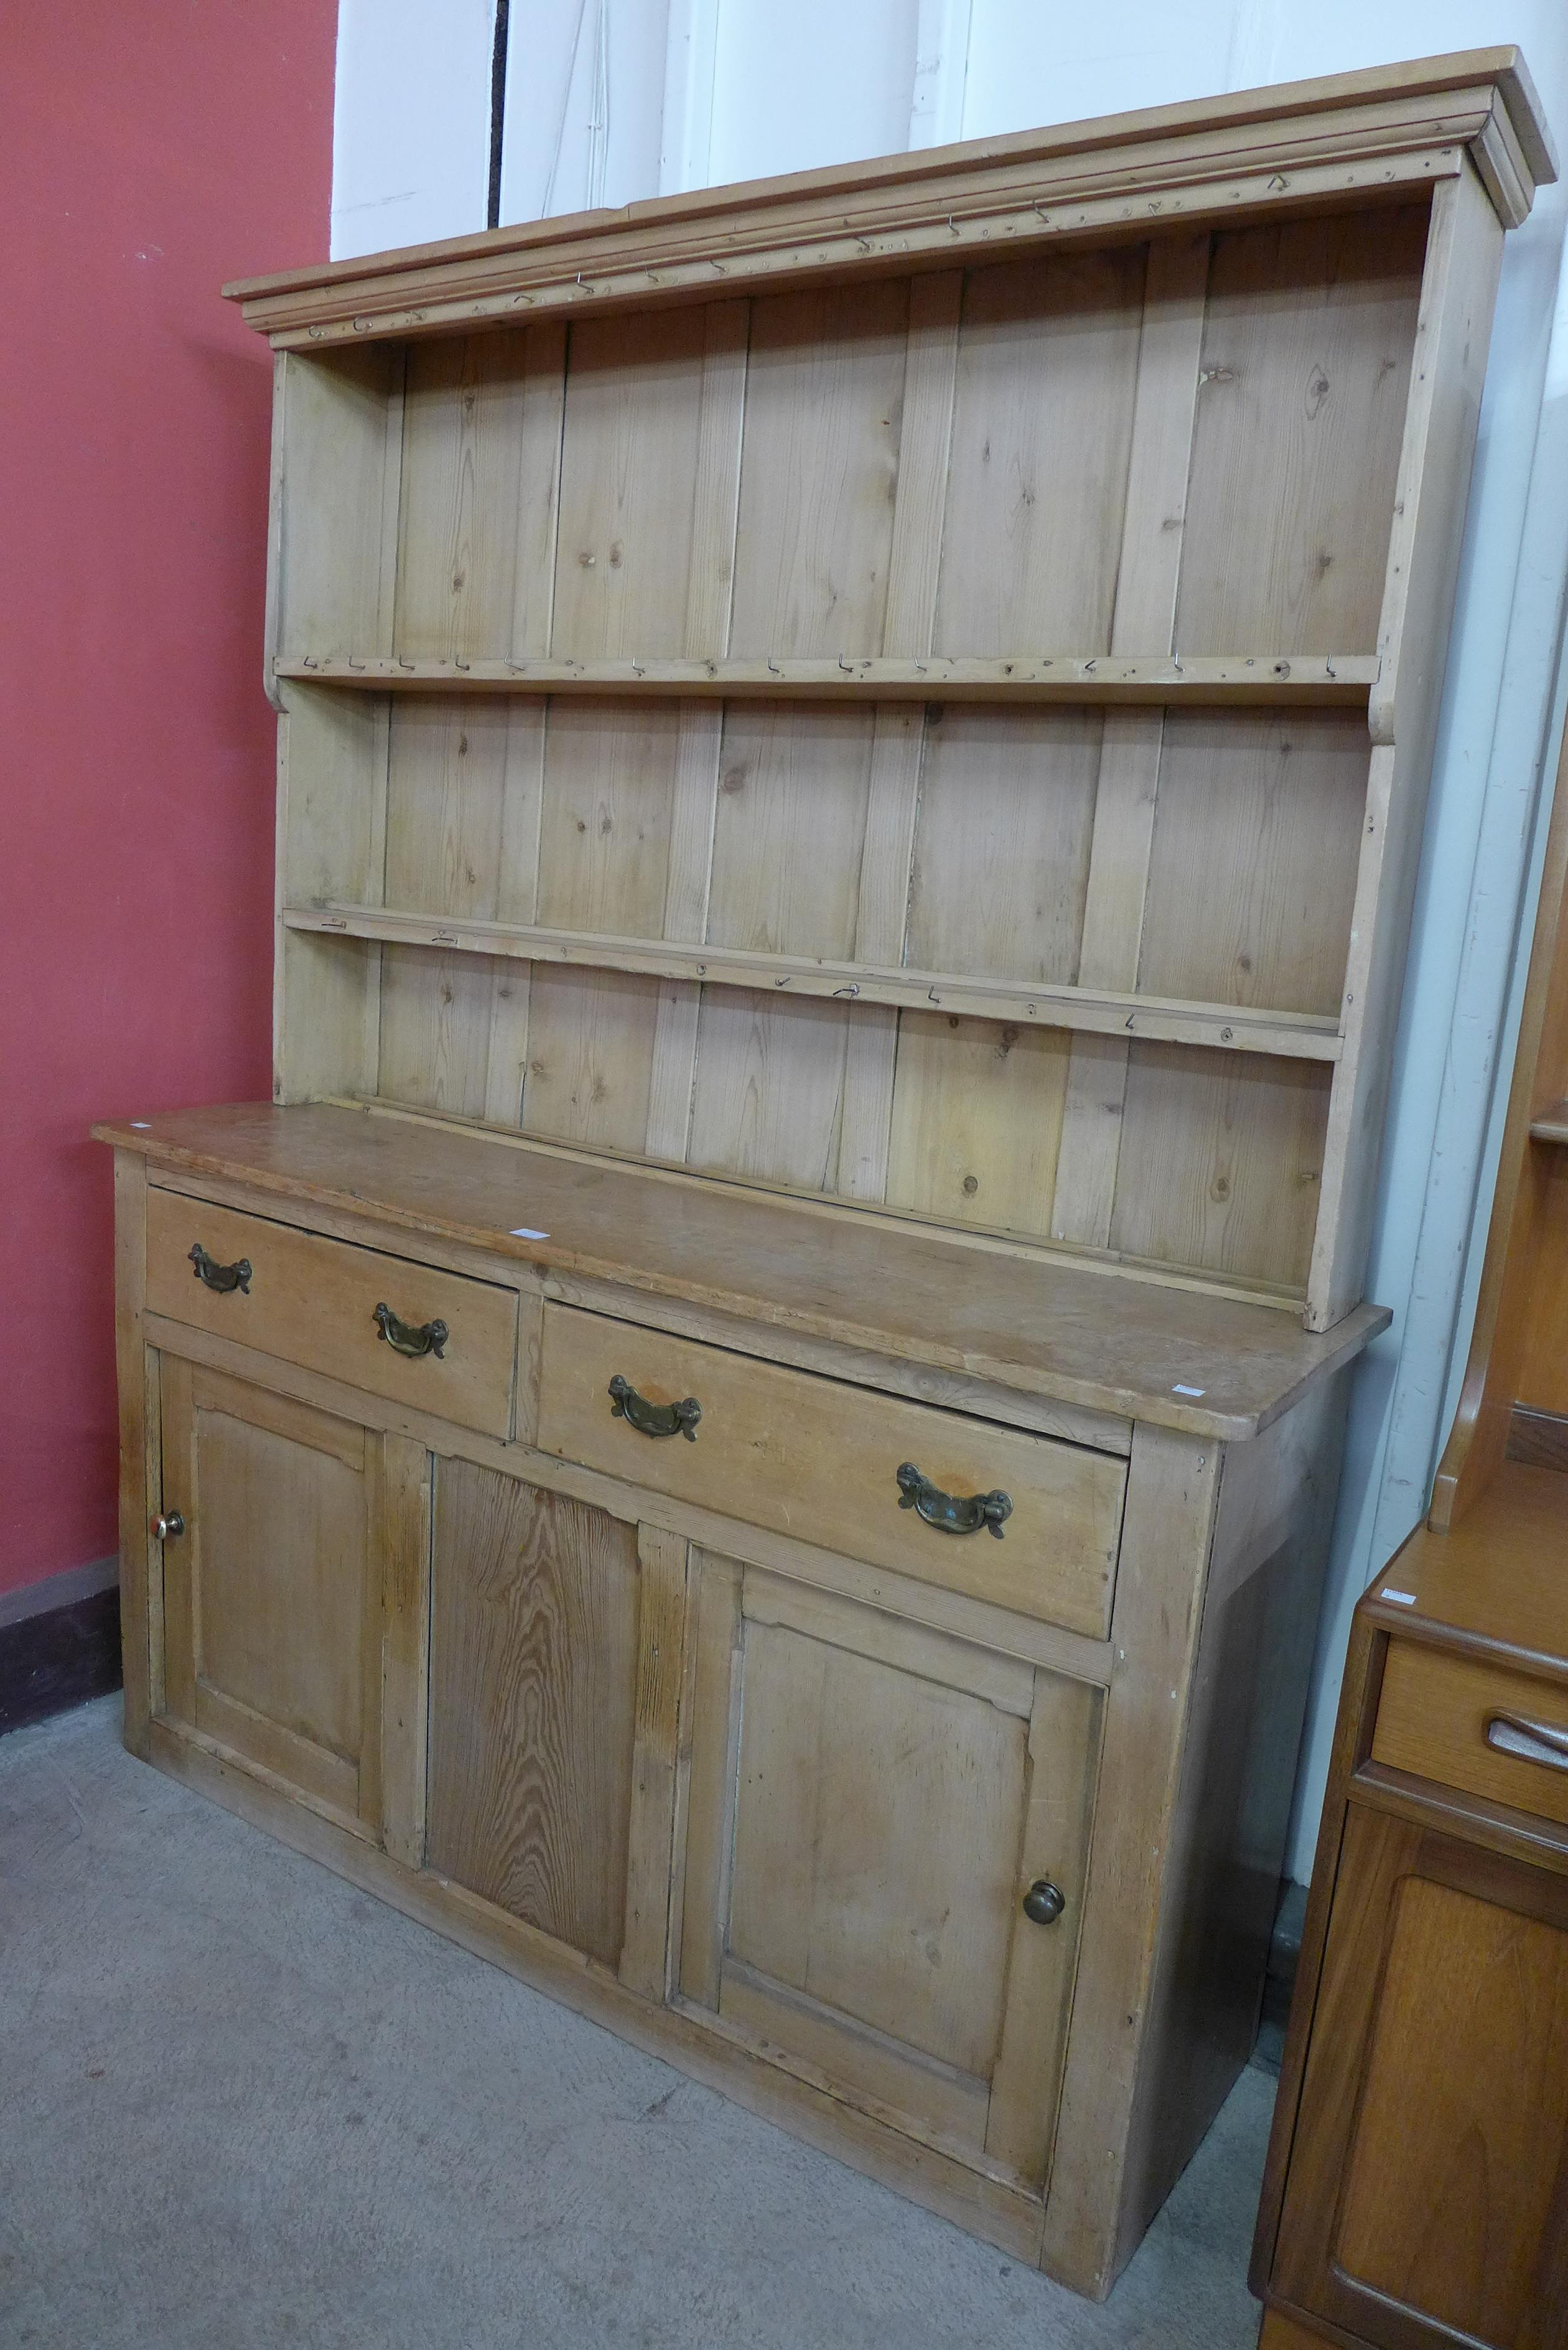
<point x="1274" y="678"/>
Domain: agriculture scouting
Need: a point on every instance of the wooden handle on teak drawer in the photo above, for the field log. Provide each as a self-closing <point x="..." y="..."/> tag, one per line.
<point x="1531" y="1742"/>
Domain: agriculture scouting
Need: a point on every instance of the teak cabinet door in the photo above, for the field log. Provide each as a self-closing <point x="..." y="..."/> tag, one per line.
<point x="556" y="1640"/>
<point x="273" y="1592"/>
<point x="1427" y="2194"/>
<point x="869" y="1804"/>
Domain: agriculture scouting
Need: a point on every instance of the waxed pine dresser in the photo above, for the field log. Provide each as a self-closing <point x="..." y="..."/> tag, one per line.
<point x="752" y="1431"/>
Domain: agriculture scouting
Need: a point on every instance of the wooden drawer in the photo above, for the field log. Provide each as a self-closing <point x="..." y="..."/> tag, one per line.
<point x="1433" y="1719"/>
<point x="812" y="1458"/>
<point x="313" y="1301"/>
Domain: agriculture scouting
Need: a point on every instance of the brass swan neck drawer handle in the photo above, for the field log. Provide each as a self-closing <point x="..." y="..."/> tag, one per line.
<point x="424" y="1339"/>
<point x="952" y="1514"/>
<point x="221" y="1276"/>
<point x="1532" y="1741"/>
<point x="653" y="1418"/>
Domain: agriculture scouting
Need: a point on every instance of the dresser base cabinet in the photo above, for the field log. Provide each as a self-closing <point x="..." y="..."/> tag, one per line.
<point x="878" y="1838"/>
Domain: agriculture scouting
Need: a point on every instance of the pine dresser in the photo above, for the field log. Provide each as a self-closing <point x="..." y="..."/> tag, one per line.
<point x="752" y="1431"/>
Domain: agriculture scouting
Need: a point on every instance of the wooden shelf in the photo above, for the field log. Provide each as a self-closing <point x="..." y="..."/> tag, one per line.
<point x="1320" y="678"/>
<point x="1299" y="1035"/>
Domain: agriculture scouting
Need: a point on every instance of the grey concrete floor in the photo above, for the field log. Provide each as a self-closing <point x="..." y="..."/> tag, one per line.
<point x="243" y="2105"/>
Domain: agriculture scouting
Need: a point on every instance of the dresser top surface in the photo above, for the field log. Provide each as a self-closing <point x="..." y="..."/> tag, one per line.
<point x="1497" y="1583"/>
<point x="1103" y="1337"/>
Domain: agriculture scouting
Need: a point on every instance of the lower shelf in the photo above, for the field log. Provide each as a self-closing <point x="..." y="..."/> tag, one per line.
<point x="1293" y="1035"/>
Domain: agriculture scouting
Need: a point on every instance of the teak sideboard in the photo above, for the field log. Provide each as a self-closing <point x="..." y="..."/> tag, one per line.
<point x="1417" y="2189"/>
<point x="754" y="1431"/>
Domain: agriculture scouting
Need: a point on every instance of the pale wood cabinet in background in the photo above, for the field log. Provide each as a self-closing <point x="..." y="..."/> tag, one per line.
<point x="851" y="766"/>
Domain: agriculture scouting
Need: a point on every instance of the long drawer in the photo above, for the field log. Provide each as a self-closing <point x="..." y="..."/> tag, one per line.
<point x="809" y="1457"/>
<point x="1468" y="1723"/>
<point x="314" y="1302"/>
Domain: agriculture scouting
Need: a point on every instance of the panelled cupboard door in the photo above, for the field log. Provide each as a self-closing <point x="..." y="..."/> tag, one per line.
<point x="273" y="1592"/>
<point x="869" y="1803"/>
<point x="1427" y="2195"/>
<point x="555" y="1642"/>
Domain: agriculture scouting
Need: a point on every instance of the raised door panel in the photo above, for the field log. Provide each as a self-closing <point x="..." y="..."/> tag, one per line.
<point x="868" y="1802"/>
<point x="554" y="1648"/>
<point x="1427" y="2196"/>
<point x="272" y="1595"/>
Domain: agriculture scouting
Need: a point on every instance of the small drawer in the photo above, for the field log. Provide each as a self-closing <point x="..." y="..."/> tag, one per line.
<point x="818" y="1459"/>
<point x="1475" y="1726"/>
<point x="314" y="1302"/>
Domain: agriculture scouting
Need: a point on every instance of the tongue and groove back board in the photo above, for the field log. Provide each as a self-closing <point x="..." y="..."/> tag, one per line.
<point x="948" y="731"/>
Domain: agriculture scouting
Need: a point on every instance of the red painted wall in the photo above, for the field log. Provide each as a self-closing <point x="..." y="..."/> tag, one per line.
<point x="147" y="153"/>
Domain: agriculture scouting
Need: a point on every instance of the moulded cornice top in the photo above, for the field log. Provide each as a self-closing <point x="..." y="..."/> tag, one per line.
<point x="1380" y="132"/>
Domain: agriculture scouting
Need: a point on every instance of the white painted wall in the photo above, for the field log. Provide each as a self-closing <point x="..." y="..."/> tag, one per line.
<point x="410" y="121"/>
<point x="611" y="99"/>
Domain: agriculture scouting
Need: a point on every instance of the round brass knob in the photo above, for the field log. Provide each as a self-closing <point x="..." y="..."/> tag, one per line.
<point x="167" y="1524"/>
<point x="1045" y="1902"/>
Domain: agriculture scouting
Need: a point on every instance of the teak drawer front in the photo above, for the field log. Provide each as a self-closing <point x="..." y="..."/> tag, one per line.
<point x="313" y="1301"/>
<point x="1434" y="1716"/>
<point x="808" y="1457"/>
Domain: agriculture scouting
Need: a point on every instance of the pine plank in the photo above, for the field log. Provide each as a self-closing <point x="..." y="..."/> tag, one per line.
<point x="1001" y="845"/>
<point x="1306" y="363"/>
<point x="930" y="378"/>
<point x="461" y="484"/>
<point x="819" y="463"/>
<point x="770" y="1087"/>
<point x="1275" y="676"/>
<point x="1260" y="821"/>
<point x="533" y="1704"/>
<point x="628" y="475"/>
<point x="1047" y="367"/>
<point x="660" y="1633"/>
<point x="790" y="830"/>
<point x="977" y="1121"/>
<point x="1221" y="1161"/>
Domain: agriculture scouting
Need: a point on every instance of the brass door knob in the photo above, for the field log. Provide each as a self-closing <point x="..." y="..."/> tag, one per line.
<point x="1045" y="1902"/>
<point x="167" y="1524"/>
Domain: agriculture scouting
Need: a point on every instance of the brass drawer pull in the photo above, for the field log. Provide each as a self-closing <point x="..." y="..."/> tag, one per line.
<point x="425" y="1338"/>
<point x="653" y="1418"/>
<point x="951" y="1514"/>
<point x="1532" y="1741"/>
<point x="221" y="1276"/>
